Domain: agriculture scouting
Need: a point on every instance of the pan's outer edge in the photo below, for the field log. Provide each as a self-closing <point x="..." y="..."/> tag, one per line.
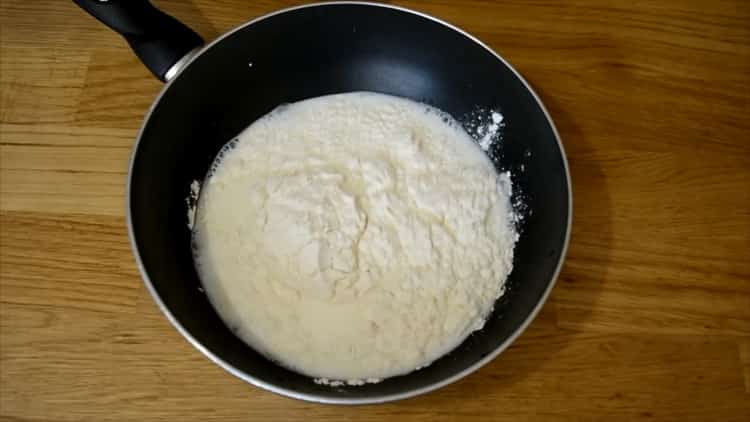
<point x="312" y="397"/>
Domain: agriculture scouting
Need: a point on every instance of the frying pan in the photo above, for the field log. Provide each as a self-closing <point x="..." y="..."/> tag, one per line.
<point x="215" y="91"/>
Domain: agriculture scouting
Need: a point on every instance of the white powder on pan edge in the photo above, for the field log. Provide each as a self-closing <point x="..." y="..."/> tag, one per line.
<point x="192" y="202"/>
<point x="354" y="237"/>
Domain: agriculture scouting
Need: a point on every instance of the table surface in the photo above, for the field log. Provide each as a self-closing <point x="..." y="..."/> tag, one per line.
<point x="650" y="318"/>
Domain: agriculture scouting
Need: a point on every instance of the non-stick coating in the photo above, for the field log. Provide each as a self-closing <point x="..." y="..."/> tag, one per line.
<point x="309" y="52"/>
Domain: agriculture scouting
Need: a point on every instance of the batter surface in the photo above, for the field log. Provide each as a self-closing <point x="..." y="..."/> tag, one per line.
<point x="354" y="236"/>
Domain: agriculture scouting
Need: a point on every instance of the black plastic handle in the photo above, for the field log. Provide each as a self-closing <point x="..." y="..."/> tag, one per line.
<point x="159" y="40"/>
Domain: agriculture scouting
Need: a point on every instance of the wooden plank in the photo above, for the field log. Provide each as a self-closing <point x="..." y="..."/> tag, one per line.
<point x="67" y="169"/>
<point x="76" y="261"/>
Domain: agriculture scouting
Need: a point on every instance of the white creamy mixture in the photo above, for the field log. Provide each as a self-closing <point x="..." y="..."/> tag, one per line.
<point x="355" y="236"/>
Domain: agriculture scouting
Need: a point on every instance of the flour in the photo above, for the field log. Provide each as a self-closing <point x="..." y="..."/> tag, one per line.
<point x="486" y="127"/>
<point x="489" y="132"/>
<point x="354" y="237"/>
<point x="192" y="202"/>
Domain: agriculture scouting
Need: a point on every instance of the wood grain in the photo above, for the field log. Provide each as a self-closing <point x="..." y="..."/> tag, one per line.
<point x="651" y="315"/>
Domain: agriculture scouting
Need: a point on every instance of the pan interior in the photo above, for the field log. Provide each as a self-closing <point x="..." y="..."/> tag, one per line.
<point x="320" y="50"/>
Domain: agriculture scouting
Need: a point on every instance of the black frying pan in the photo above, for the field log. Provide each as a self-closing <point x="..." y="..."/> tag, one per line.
<point x="216" y="91"/>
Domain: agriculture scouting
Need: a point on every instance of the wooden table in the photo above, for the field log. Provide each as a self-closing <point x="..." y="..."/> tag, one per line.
<point x="650" y="318"/>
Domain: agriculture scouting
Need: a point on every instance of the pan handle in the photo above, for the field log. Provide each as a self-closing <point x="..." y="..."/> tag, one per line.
<point x="162" y="42"/>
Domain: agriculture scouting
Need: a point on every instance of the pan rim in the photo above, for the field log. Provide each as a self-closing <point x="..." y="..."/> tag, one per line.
<point x="313" y="397"/>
